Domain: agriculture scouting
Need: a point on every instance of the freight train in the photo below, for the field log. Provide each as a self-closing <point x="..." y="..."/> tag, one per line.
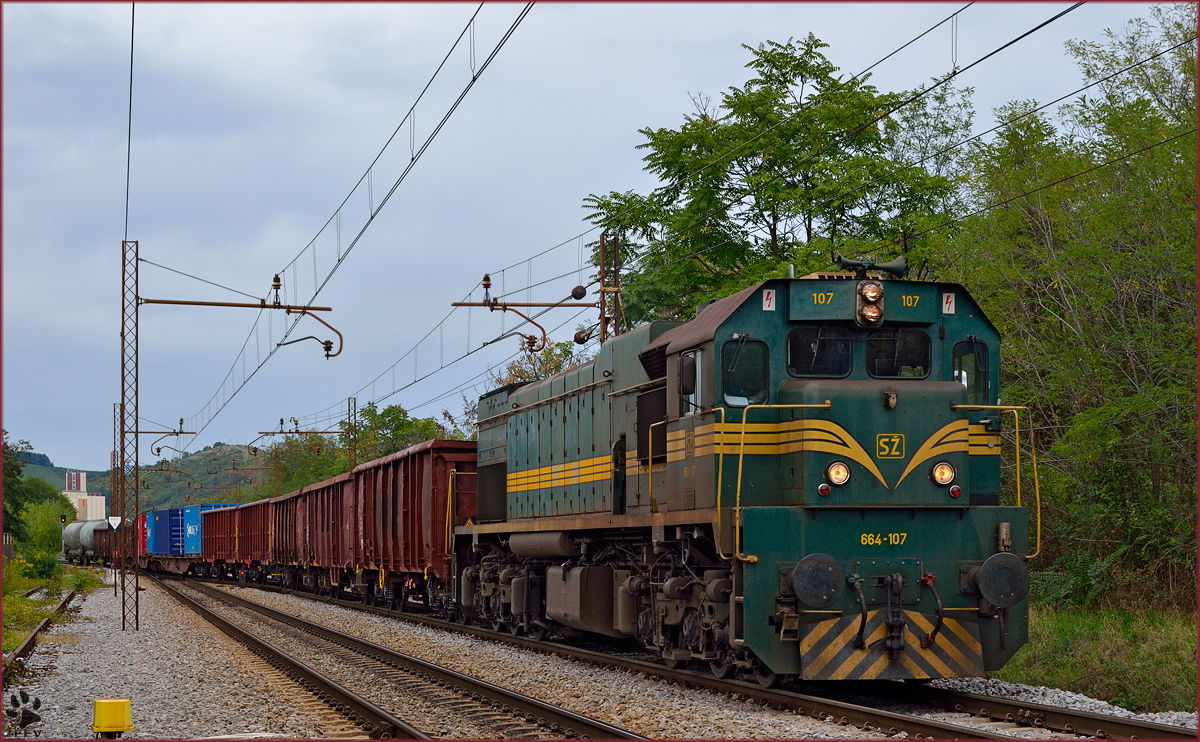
<point x="803" y="481"/>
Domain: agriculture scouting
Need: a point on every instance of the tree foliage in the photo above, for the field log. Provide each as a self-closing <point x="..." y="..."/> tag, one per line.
<point x="297" y="461"/>
<point x="1093" y="286"/>
<point x="796" y="166"/>
<point x="14" y="487"/>
<point x="44" y="526"/>
<point x="1091" y="280"/>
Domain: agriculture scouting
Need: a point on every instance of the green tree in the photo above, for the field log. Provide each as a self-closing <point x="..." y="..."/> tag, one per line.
<point x="14" y="487"/>
<point x="45" y="526"/>
<point x="553" y="359"/>
<point x="37" y="490"/>
<point x="392" y="429"/>
<point x="792" y="167"/>
<point x="1092" y="283"/>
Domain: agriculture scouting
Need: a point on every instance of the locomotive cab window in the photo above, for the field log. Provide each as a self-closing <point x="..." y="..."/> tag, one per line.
<point x="898" y="353"/>
<point x="746" y="367"/>
<point x="818" y="351"/>
<point x="970" y="368"/>
<point x="690" y="380"/>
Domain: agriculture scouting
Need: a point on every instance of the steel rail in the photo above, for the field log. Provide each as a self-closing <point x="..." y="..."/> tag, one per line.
<point x="27" y="646"/>
<point x="1102" y="726"/>
<point x="559" y="720"/>
<point x="863" y="717"/>
<point x="1001" y="710"/>
<point x="379" y="723"/>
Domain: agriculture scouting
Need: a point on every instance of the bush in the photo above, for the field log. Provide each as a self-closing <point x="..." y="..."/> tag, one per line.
<point x="41" y="566"/>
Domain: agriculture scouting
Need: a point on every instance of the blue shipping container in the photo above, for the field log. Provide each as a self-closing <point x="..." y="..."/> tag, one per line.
<point x="192" y="525"/>
<point x="151" y="532"/>
<point x="175" y="519"/>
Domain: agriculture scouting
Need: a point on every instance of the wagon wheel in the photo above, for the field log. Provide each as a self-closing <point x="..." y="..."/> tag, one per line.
<point x="764" y="676"/>
<point x="722" y="667"/>
<point x="672" y="663"/>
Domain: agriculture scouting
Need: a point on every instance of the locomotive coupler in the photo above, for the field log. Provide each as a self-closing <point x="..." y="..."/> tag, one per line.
<point x="856" y="583"/>
<point x="893" y="584"/>
<point x="927" y="579"/>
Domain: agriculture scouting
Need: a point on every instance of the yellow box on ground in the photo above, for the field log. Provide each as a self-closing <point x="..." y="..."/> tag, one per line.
<point x="110" y="715"/>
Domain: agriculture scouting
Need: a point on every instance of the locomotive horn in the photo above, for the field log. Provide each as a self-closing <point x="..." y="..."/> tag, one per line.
<point x="860" y="267"/>
<point x="895" y="267"/>
<point x="844" y="263"/>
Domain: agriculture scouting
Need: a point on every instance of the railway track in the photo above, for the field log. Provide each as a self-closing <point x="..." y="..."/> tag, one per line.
<point x="509" y="715"/>
<point x="373" y="719"/>
<point x="980" y="717"/>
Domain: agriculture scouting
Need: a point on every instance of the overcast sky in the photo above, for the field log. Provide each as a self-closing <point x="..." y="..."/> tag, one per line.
<point x="251" y="124"/>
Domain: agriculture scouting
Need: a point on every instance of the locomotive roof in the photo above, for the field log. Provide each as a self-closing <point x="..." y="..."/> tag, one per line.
<point x="704" y="327"/>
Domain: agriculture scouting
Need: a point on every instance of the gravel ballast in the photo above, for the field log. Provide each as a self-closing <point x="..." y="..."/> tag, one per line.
<point x="1062" y="699"/>
<point x="647" y="706"/>
<point x="184" y="678"/>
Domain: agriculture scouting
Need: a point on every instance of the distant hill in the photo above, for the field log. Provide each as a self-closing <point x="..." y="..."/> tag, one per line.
<point x="40" y="459"/>
<point x="206" y="471"/>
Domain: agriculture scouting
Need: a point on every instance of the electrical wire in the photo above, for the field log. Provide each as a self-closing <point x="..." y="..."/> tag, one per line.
<point x="197" y="278"/>
<point x="475" y="76"/>
<point x="222" y="402"/>
<point x="908" y="101"/>
<point x="724" y="155"/>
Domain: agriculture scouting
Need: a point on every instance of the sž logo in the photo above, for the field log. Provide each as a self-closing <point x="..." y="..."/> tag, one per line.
<point x="23" y="711"/>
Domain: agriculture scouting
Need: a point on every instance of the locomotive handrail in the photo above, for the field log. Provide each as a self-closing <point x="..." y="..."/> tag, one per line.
<point x="650" y="464"/>
<point x="737" y="532"/>
<point x="1037" y="493"/>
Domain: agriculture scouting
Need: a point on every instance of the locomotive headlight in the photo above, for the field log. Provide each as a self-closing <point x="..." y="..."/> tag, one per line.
<point x="870" y="314"/>
<point x="871" y="291"/>
<point x="942" y="473"/>
<point x="838" y="473"/>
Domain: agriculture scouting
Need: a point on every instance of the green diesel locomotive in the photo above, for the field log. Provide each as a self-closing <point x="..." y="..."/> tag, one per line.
<point x="802" y="481"/>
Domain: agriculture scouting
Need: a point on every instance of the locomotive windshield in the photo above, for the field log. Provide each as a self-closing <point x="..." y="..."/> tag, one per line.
<point x="747" y="365"/>
<point x="818" y="351"/>
<point x="898" y="353"/>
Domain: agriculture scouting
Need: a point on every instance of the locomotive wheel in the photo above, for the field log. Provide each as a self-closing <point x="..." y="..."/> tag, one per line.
<point x="674" y="664"/>
<point x="722" y="668"/>
<point x="764" y="677"/>
<point x="515" y="628"/>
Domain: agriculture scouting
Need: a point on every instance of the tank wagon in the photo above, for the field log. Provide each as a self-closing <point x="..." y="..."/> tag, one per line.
<point x="87" y="541"/>
<point x="802" y="481"/>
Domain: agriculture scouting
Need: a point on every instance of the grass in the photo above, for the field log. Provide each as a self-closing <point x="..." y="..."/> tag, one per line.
<point x="1140" y="660"/>
<point x="21" y="614"/>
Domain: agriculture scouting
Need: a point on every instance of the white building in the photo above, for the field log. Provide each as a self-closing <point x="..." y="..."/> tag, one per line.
<point x="89" y="505"/>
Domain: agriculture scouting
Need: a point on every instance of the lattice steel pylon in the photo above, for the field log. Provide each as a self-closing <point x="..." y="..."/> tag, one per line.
<point x="127" y="506"/>
<point x="114" y="481"/>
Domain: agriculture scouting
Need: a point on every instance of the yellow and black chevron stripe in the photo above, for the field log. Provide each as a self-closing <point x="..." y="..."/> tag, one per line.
<point x="827" y="650"/>
<point x="561" y="475"/>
